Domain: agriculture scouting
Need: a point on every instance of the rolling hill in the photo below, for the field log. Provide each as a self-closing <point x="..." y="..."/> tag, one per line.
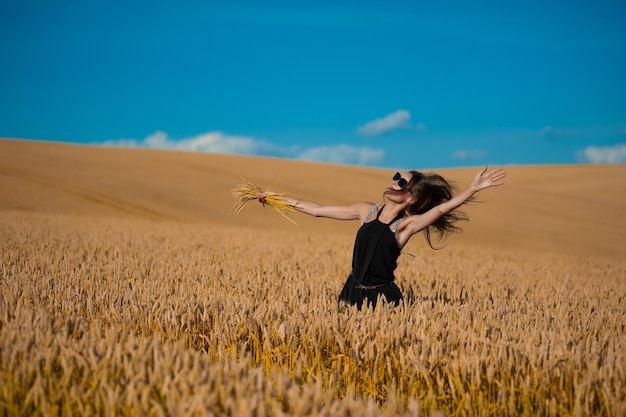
<point x="575" y="210"/>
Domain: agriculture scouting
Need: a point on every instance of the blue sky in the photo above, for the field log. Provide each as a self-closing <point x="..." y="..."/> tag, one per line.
<point x="399" y="84"/>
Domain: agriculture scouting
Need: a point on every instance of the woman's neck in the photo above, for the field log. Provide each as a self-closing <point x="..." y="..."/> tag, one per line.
<point x="390" y="211"/>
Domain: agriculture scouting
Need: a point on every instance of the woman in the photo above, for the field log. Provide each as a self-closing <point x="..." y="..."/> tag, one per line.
<point x="415" y="202"/>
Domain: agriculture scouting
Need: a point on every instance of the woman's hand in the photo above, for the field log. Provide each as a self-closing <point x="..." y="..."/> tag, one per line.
<point x="261" y="197"/>
<point x="486" y="179"/>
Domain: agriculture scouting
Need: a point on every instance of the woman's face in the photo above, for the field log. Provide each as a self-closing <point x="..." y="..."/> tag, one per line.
<point x="398" y="181"/>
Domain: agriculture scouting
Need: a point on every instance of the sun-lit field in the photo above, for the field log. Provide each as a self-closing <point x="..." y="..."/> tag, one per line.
<point x="146" y="314"/>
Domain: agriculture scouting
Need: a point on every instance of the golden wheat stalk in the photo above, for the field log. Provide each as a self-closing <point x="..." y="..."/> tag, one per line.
<point x="249" y="191"/>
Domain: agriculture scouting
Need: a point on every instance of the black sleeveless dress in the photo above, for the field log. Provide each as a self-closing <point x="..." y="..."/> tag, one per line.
<point x="374" y="261"/>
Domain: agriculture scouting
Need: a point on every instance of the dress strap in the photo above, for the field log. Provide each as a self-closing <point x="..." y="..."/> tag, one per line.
<point x="372" y="210"/>
<point x="394" y="228"/>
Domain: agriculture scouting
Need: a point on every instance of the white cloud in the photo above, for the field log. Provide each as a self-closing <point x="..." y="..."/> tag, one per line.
<point x="343" y="154"/>
<point x="604" y="154"/>
<point x="218" y="142"/>
<point x="396" y="120"/>
<point x="124" y="143"/>
<point x="207" y="142"/>
<point x="471" y="154"/>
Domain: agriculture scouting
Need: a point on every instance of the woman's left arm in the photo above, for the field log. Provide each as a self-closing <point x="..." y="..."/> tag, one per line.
<point x="482" y="180"/>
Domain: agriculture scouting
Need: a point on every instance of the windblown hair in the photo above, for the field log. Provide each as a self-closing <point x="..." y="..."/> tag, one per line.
<point x="431" y="190"/>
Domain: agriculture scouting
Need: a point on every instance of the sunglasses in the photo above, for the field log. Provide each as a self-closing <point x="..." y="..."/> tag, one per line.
<point x="401" y="181"/>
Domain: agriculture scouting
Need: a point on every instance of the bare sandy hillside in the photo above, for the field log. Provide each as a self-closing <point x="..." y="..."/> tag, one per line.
<point x="571" y="210"/>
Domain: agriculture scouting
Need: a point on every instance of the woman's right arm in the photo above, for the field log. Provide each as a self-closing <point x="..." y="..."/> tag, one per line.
<point x="352" y="212"/>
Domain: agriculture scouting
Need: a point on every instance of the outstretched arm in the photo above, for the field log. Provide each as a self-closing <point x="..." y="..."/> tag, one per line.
<point x="351" y="212"/>
<point x="482" y="180"/>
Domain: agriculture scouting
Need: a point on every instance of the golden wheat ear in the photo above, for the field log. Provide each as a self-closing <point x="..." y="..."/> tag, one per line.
<point x="248" y="191"/>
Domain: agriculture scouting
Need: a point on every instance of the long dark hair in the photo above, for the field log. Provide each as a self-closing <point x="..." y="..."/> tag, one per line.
<point x="430" y="190"/>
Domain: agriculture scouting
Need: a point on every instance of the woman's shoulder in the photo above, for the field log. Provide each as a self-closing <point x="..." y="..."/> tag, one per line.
<point x="368" y="210"/>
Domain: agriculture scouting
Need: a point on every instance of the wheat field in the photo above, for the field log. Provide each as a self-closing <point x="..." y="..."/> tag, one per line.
<point x="128" y="287"/>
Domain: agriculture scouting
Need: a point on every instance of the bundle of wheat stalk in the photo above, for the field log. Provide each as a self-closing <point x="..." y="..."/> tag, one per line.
<point x="248" y="191"/>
